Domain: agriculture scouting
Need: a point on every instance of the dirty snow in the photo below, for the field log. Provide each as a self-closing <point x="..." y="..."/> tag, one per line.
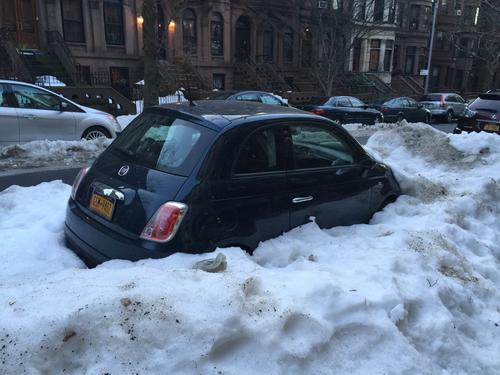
<point x="51" y="153"/>
<point x="415" y="291"/>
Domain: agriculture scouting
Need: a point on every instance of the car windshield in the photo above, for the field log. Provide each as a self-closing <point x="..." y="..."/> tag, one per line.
<point x="431" y="98"/>
<point x="163" y="143"/>
<point x="486" y="103"/>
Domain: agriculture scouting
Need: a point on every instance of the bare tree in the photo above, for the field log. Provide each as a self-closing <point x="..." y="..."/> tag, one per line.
<point x="151" y="53"/>
<point x="478" y="37"/>
<point x="340" y="30"/>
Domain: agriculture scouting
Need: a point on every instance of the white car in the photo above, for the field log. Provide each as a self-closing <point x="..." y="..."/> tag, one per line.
<point x="29" y="113"/>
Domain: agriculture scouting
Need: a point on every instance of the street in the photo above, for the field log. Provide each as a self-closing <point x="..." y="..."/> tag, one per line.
<point x="35" y="176"/>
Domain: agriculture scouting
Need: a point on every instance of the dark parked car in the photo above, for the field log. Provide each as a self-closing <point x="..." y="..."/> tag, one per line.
<point x="482" y="115"/>
<point x="344" y="109"/>
<point x="248" y="96"/>
<point x="397" y="109"/>
<point x="193" y="178"/>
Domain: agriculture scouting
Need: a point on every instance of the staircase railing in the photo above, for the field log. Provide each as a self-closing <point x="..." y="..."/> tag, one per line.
<point x="8" y="43"/>
<point x="63" y="53"/>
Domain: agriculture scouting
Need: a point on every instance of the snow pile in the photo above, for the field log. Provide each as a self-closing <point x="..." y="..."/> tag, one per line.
<point x="51" y="153"/>
<point x="415" y="291"/>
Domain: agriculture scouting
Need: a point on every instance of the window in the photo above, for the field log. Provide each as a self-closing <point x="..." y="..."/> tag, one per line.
<point x="378" y="11"/>
<point x="356" y="55"/>
<point x="389" y="45"/>
<point x="189" y="32"/>
<point x="343" y="102"/>
<point x="72" y="19"/>
<point x="316" y="147"/>
<point x="219" y="81"/>
<point x="269" y="99"/>
<point x="422" y="58"/>
<point x="164" y="143"/>
<point x="470" y="15"/>
<point x="401" y="14"/>
<point x="288" y="45"/>
<point x="391" y="18"/>
<point x="374" y="55"/>
<point x="248" y="98"/>
<point x="414" y="17"/>
<point x="32" y="98"/>
<point x="360" y="14"/>
<point x="427" y="18"/>
<point x="356" y="102"/>
<point x="217" y="34"/>
<point x="113" y="22"/>
<point x="411" y="55"/>
<point x="6" y="98"/>
<point x="262" y="152"/>
<point x="268" y="43"/>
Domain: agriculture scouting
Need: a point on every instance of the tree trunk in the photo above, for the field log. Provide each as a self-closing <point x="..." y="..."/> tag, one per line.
<point x="151" y="71"/>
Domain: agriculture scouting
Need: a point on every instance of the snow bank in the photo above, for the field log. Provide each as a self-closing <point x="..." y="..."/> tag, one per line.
<point x="51" y="153"/>
<point x="415" y="291"/>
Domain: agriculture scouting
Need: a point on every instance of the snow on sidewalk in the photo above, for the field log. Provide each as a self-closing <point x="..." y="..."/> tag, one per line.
<point x="415" y="291"/>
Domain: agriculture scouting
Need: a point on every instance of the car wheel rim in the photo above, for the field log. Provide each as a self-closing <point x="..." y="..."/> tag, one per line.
<point x="377" y="120"/>
<point x="450" y="117"/>
<point x="94" y="134"/>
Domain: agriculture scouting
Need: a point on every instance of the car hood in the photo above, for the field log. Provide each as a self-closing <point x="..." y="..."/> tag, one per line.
<point x="92" y="110"/>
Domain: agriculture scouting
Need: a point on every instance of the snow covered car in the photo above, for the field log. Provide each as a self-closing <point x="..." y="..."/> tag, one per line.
<point x="29" y="113"/>
<point x="190" y="178"/>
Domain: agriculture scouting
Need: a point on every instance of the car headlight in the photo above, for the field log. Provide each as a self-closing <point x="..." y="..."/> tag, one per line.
<point x="469" y="113"/>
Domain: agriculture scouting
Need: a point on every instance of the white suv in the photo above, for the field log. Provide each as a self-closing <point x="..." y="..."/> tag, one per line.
<point x="29" y="113"/>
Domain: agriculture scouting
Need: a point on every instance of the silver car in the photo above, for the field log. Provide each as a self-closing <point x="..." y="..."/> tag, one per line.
<point x="446" y="106"/>
<point x="29" y="113"/>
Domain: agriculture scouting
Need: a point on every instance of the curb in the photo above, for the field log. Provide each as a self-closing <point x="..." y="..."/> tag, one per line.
<point x="35" y="176"/>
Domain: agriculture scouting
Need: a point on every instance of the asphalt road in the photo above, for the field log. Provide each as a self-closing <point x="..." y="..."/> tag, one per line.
<point x="33" y="177"/>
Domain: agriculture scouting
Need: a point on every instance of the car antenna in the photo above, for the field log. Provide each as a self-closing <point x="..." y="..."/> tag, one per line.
<point x="190" y="96"/>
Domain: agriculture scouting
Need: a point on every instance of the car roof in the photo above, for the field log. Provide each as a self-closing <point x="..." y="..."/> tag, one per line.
<point x="219" y="114"/>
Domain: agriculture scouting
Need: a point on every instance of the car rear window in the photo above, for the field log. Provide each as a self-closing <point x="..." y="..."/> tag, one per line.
<point x="431" y="98"/>
<point x="487" y="103"/>
<point x="163" y="143"/>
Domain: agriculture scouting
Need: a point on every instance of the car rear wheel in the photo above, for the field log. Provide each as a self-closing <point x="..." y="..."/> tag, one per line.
<point x="449" y="116"/>
<point x="427" y="118"/>
<point x="377" y="120"/>
<point x="95" y="132"/>
<point x="400" y="118"/>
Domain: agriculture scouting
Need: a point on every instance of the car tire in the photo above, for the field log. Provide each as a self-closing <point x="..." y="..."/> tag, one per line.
<point x="400" y="118"/>
<point x="449" y="116"/>
<point x="95" y="132"/>
<point x="427" y="118"/>
<point x="377" y="120"/>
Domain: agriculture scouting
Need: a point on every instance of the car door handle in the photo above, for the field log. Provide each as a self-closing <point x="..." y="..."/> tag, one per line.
<point x="302" y="199"/>
<point x="31" y="117"/>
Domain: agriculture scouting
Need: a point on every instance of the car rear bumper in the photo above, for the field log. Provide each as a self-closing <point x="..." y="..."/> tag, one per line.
<point x="438" y="112"/>
<point x="95" y="244"/>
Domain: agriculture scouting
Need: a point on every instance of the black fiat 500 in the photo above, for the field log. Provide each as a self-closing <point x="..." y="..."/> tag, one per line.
<point x="184" y="178"/>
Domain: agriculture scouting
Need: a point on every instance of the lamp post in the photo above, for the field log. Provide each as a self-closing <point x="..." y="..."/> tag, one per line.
<point x="431" y="46"/>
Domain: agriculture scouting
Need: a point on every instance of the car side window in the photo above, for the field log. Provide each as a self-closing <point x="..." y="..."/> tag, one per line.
<point x="33" y="98"/>
<point x="450" y="99"/>
<point x="412" y="103"/>
<point x="318" y="147"/>
<point x="248" y="98"/>
<point x="356" y="102"/>
<point x="404" y="103"/>
<point x="263" y="151"/>
<point x="6" y="98"/>
<point x="343" y="102"/>
<point x="269" y="99"/>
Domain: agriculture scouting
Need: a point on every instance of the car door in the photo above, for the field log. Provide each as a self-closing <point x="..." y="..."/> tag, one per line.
<point x="461" y="104"/>
<point x="248" y="193"/>
<point x="412" y="112"/>
<point x="325" y="179"/>
<point x="9" y="122"/>
<point x="344" y="108"/>
<point x="359" y="111"/>
<point x="40" y="115"/>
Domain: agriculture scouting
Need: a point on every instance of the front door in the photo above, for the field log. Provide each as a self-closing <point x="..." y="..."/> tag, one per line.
<point x="40" y="115"/>
<point x="325" y="181"/>
<point x="9" y="123"/>
<point x="19" y="17"/>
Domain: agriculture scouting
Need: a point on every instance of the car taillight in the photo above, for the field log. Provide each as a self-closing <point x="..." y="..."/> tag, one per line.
<point x="318" y="111"/>
<point x="384" y="109"/>
<point x="78" y="180"/>
<point x="442" y="101"/>
<point x="165" y="222"/>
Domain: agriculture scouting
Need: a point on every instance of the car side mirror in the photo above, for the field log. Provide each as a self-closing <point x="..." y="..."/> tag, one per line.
<point x="63" y="106"/>
<point x="420" y="106"/>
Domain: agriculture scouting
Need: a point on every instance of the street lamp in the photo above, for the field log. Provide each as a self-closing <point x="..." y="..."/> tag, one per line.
<point x="431" y="46"/>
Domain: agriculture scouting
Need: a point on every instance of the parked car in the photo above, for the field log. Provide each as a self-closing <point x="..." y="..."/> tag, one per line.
<point x="183" y="178"/>
<point x="248" y="96"/>
<point x="397" y="109"/>
<point x="482" y="115"/>
<point x="445" y="106"/>
<point x="344" y="109"/>
<point x="29" y="112"/>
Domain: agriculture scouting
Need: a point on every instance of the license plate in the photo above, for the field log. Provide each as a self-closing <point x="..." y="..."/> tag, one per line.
<point x="492" y="127"/>
<point x="102" y="205"/>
